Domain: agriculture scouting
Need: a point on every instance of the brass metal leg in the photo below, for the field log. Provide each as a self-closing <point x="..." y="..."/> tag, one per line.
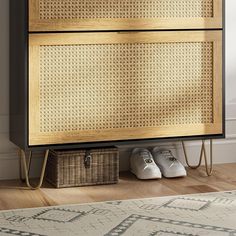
<point x="26" y="168"/>
<point x="28" y="164"/>
<point x="209" y="167"/>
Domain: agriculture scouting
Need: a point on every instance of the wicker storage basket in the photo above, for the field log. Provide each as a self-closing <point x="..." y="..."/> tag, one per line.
<point x="82" y="167"/>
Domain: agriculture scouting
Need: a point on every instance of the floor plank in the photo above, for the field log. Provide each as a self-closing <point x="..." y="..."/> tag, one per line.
<point x="14" y="194"/>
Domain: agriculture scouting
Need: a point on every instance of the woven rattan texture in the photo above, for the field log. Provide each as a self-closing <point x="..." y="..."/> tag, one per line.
<point x="122" y="9"/>
<point x="67" y="169"/>
<point x="98" y="87"/>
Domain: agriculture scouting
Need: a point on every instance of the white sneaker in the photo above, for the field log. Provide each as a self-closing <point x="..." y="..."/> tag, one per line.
<point x="143" y="165"/>
<point x="170" y="167"/>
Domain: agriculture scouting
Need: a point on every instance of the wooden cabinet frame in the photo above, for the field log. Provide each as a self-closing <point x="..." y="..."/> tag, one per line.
<point x="36" y="40"/>
<point x="41" y="25"/>
<point x="28" y="32"/>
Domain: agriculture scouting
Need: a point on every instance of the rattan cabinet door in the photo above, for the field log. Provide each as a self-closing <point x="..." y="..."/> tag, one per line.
<point x="73" y="15"/>
<point x="91" y="87"/>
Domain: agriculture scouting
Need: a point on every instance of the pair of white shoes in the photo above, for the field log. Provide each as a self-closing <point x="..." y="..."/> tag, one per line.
<point x="147" y="165"/>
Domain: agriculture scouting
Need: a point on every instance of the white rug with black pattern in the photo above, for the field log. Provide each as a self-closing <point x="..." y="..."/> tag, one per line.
<point x="189" y="215"/>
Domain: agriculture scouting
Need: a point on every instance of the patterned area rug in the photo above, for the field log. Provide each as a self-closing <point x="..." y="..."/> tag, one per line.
<point x="189" y="215"/>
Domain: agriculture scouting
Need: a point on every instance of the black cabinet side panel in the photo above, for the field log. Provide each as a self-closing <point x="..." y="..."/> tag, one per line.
<point x="18" y="72"/>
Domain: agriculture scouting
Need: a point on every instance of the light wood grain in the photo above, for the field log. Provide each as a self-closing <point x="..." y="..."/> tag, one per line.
<point x="217" y="85"/>
<point x="37" y="23"/>
<point x="33" y="88"/>
<point x="53" y="39"/>
<point x="36" y="137"/>
<point x="14" y="195"/>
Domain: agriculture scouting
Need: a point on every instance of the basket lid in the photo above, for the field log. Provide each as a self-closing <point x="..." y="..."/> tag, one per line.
<point x="83" y="151"/>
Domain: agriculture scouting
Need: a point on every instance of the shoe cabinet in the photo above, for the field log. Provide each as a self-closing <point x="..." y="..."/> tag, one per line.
<point x="90" y="15"/>
<point x="92" y="73"/>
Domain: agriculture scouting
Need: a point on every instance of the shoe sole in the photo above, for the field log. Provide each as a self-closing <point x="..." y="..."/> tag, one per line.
<point x="174" y="175"/>
<point x="145" y="178"/>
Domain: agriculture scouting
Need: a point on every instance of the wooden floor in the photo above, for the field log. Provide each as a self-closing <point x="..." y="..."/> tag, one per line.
<point x="14" y="195"/>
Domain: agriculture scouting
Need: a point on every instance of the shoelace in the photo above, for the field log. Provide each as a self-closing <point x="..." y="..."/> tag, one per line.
<point x="147" y="158"/>
<point x="168" y="155"/>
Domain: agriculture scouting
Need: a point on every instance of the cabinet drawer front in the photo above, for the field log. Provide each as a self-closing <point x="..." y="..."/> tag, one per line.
<point x="90" y="87"/>
<point x="73" y="15"/>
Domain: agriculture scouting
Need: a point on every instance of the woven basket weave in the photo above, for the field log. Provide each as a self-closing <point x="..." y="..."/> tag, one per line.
<point x="82" y="167"/>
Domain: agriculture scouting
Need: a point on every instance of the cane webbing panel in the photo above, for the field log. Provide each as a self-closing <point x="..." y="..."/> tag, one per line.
<point x="109" y="86"/>
<point x="124" y="9"/>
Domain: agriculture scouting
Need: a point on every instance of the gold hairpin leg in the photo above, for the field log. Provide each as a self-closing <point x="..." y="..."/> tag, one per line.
<point x="28" y="165"/>
<point x="26" y="168"/>
<point x="209" y="167"/>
